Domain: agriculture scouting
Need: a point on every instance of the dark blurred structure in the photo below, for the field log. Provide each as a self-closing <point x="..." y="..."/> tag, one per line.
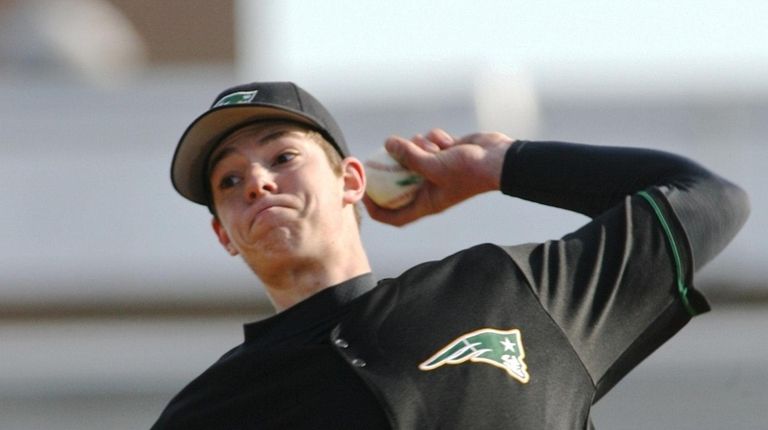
<point x="108" y="43"/>
<point x="184" y="31"/>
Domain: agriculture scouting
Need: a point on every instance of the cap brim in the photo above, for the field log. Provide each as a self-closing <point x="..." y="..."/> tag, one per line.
<point x="189" y="161"/>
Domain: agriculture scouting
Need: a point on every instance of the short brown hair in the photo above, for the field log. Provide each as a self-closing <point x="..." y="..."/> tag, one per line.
<point x="334" y="159"/>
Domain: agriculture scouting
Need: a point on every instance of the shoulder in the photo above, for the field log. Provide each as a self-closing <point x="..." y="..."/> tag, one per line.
<point x="475" y="256"/>
<point x="483" y="265"/>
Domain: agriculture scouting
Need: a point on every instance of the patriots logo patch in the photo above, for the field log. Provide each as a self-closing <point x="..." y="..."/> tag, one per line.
<point x="500" y="348"/>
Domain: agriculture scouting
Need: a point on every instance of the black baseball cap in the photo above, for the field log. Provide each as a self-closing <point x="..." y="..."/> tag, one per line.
<point x="237" y="107"/>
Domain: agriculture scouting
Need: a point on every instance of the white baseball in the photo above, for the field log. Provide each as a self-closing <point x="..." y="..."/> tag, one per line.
<point x="390" y="185"/>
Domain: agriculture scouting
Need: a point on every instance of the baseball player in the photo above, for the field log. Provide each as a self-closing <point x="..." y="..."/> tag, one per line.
<point x="517" y="337"/>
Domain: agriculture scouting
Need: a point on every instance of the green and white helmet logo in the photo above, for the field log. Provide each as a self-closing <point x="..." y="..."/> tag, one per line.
<point x="500" y="348"/>
<point x="237" y="98"/>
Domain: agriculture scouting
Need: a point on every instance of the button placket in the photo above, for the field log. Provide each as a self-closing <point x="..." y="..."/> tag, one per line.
<point x="345" y="349"/>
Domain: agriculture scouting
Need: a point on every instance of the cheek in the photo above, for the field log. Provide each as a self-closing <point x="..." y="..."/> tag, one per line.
<point x="229" y="219"/>
<point x="221" y="198"/>
<point x="330" y="201"/>
<point x="326" y="188"/>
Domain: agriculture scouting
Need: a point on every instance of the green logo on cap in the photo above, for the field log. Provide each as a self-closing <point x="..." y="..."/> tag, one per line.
<point x="237" y="98"/>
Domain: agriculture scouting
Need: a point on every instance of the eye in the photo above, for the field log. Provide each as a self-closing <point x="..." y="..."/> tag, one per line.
<point x="229" y="181"/>
<point x="284" y="157"/>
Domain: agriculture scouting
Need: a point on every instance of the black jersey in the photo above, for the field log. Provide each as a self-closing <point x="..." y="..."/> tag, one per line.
<point x="517" y="337"/>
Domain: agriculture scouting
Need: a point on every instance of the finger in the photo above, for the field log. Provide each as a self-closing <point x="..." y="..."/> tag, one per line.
<point x="409" y="154"/>
<point x="425" y="144"/>
<point x="470" y="138"/>
<point x="441" y="138"/>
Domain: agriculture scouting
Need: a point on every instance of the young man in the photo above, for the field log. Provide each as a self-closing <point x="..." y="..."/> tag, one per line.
<point x="517" y="337"/>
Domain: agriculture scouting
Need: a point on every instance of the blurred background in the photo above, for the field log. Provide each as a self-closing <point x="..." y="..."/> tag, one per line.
<point x="113" y="291"/>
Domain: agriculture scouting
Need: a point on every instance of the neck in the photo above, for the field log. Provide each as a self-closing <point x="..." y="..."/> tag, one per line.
<point x="299" y="278"/>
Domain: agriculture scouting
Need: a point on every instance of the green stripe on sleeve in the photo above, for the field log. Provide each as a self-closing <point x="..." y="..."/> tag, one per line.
<point x="681" y="288"/>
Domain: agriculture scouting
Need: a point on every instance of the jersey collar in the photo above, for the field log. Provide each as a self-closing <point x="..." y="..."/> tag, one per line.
<point x="310" y="318"/>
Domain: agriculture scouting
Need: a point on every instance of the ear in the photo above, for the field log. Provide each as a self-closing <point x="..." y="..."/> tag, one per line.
<point x="353" y="174"/>
<point x="221" y="234"/>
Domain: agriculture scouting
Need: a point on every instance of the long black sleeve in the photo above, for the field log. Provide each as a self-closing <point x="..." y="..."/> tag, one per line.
<point x="622" y="284"/>
<point x="591" y="179"/>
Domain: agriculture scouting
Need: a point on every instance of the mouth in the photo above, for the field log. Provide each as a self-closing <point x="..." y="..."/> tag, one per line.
<point x="262" y="210"/>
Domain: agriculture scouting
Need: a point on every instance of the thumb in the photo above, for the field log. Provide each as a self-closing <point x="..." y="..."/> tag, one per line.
<point x="407" y="153"/>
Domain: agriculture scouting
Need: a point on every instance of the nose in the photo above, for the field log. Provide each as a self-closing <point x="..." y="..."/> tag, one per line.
<point x="260" y="182"/>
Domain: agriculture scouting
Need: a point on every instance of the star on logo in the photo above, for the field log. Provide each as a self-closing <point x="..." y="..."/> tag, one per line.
<point x="508" y="344"/>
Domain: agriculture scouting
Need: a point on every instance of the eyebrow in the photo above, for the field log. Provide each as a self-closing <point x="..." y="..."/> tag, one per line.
<point x="229" y="150"/>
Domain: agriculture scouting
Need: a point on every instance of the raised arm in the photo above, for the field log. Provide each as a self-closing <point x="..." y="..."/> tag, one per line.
<point x="591" y="179"/>
<point x="582" y="178"/>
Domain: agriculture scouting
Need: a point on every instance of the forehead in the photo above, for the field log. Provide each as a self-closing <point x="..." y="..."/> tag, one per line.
<point x="259" y="134"/>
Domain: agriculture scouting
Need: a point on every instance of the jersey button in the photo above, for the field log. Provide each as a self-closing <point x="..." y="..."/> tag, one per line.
<point x="341" y="343"/>
<point x="357" y="362"/>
